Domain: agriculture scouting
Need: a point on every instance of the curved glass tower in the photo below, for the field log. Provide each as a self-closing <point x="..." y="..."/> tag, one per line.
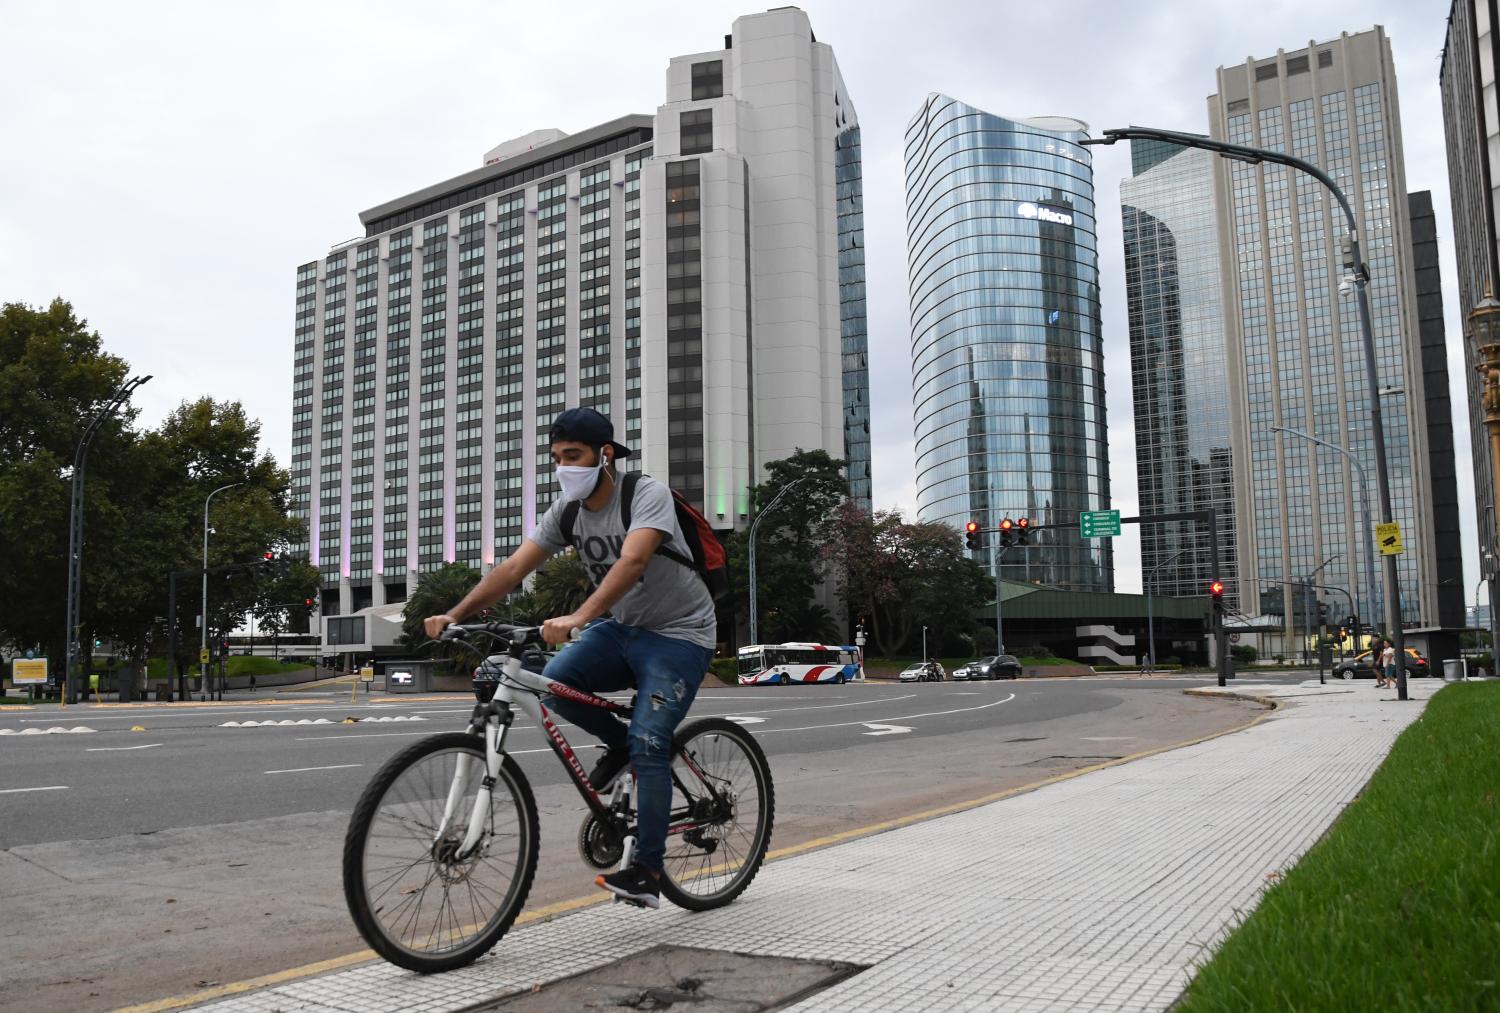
<point x="1007" y="363"/>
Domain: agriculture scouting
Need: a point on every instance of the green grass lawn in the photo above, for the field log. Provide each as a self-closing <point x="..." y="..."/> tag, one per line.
<point x="1398" y="907"/>
<point x="238" y="664"/>
<point x="14" y="699"/>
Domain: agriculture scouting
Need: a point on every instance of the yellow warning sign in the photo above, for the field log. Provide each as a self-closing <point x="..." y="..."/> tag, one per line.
<point x="28" y="671"/>
<point x="1388" y="537"/>
<point x="203" y="656"/>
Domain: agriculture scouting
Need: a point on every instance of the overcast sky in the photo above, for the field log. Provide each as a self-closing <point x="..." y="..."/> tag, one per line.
<point x="167" y="166"/>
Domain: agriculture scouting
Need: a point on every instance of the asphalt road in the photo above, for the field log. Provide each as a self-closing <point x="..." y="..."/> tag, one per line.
<point x="189" y="853"/>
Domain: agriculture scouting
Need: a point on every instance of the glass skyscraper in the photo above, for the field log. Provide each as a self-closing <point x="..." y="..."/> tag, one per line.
<point x="1178" y="357"/>
<point x="1298" y="336"/>
<point x="1008" y="378"/>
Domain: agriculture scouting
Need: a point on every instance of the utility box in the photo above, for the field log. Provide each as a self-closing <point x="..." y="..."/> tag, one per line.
<point x="1455" y="669"/>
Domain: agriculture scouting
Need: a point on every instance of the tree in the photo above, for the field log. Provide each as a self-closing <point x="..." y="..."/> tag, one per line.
<point x="143" y="510"/>
<point x="787" y="559"/>
<point x="54" y="378"/>
<point x="438" y="591"/>
<point x="902" y="576"/>
<point x="561" y="586"/>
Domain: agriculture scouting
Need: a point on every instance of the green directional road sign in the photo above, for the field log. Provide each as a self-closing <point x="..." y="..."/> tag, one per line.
<point x="1099" y="523"/>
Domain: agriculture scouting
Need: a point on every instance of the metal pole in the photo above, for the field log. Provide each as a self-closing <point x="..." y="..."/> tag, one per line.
<point x="172" y="632"/>
<point x="754" y="525"/>
<point x="75" y="535"/>
<point x="203" y="620"/>
<point x="1377" y="434"/>
<point x="1150" y="622"/>
<point x="998" y="552"/>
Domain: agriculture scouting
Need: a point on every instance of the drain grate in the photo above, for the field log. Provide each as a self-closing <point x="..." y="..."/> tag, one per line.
<point x="684" y="979"/>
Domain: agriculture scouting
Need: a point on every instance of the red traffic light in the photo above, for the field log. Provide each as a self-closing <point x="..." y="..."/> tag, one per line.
<point x="1007" y="524"/>
<point x="270" y="556"/>
<point x="971" y="527"/>
<point x="307" y="601"/>
<point x="1024" y="522"/>
<point x="1216" y="589"/>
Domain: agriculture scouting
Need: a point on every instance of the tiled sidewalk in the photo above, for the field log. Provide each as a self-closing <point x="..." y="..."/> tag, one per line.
<point x="1098" y="892"/>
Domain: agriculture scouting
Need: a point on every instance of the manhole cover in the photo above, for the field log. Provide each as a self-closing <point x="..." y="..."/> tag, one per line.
<point x="684" y="979"/>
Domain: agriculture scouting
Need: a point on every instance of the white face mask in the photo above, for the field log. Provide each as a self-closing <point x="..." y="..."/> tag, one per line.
<point x="578" y="483"/>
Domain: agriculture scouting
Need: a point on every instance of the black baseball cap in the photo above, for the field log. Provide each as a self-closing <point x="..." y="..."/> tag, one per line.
<point x="584" y="425"/>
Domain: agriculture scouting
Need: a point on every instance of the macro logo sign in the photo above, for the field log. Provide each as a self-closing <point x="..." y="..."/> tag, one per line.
<point x="1043" y="213"/>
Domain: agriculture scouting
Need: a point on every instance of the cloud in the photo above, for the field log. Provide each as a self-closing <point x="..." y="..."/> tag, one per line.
<point x="172" y="164"/>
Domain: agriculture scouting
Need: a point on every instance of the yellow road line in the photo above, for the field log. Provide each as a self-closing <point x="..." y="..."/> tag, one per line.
<point x="577" y="903"/>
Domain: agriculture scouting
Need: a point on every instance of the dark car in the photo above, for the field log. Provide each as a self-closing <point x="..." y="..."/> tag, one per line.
<point x="1002" y="666"/>
<point x="1362" y="666"/>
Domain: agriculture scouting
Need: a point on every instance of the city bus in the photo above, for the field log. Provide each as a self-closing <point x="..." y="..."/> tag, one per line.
<point x="785" y="664"/>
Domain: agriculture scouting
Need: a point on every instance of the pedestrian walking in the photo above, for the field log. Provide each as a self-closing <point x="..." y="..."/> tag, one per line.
<point x="1387" y="670"/>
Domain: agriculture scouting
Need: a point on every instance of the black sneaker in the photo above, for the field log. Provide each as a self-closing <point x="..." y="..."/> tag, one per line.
<point x="634" y="884"/>
<point x="610" y="764"/>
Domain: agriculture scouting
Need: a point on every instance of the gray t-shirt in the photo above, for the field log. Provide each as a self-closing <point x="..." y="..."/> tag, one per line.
<point x="669" y="599"/>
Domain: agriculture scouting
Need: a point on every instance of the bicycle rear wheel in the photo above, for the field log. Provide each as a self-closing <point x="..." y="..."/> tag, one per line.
<point x="413" y="898"/>
<point x="723" y="807"/>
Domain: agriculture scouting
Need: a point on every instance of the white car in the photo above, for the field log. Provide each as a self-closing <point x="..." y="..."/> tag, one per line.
<point x="930" y="671"/>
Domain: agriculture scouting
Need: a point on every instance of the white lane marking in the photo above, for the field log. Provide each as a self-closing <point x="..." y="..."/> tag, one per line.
<point x="393" y="735"/>
<point x="51" y="787"/>
<point x="1109" y="738"/>
<point x="899" y="717"/>
<point x="301" y="770"/>
<point x="823" y="706"/>
<point x="120" y="749"/>
<point x="886" y="729"/>
<point x="740" y="720"/>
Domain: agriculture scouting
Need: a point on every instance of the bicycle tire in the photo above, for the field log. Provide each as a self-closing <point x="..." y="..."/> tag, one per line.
<point x="357" y="843"/>
<point x="691" y="868"/>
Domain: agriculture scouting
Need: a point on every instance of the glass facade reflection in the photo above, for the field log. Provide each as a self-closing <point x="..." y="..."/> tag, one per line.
<point x="853" y="330"/>
<point x="1008" y="381"/>
<point x="1183" y="438"/>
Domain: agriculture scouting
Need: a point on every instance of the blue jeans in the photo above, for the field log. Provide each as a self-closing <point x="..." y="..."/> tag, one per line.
<point x="665" y="673"/>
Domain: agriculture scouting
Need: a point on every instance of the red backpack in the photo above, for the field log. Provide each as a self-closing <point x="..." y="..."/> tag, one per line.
<point x="706" y="553"/>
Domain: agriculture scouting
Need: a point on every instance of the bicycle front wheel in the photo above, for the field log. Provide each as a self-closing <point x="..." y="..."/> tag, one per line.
<point x="723" y="806"/>
<point x="414" y="897"/>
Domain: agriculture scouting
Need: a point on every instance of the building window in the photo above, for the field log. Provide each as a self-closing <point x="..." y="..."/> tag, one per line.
<point x="697" y="131"/>
<point x="708" y="80"/>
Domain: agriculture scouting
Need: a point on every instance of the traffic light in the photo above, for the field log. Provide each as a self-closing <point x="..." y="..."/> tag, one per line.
<point x="1007" y="533"/>
<point x="1023" y="530"/>
<point x="1216" y="594"/>
<point x="971" y="535"/>
<point x="308" y="602"/>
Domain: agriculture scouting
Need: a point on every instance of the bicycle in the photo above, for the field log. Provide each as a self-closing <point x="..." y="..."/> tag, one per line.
<point x="455" y="812"/>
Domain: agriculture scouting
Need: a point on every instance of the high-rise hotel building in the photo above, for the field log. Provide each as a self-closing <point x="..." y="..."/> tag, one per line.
<point x="697" y="276"/>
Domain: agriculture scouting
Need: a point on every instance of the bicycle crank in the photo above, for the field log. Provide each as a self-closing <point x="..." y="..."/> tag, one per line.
<point x="599" y="844"/>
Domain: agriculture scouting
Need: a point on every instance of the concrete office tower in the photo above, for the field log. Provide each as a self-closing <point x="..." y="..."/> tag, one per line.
<point x="697" y="276"/>
<point x="1471" y="121"/>
<point x="1178" y="360"/>
<point x="1298" y="336"/>
<point x="1008" y="376"/>
<point x="1447" y="545"/>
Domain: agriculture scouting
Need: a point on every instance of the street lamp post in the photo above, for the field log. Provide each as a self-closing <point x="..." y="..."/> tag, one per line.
<point x="754" y="525"/>
<point x="203" y="618"/>
<point x="924" y="645"/>
<point x="1150" y="619"/>
<point x="75" y="533"/>
<point x="1308" y="585"/>
<point x="1361" y="277"/>
<point x="1364" y="507"/>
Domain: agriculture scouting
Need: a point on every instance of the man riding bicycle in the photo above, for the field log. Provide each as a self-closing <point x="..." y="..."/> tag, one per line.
<point x="658" y="639"/>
